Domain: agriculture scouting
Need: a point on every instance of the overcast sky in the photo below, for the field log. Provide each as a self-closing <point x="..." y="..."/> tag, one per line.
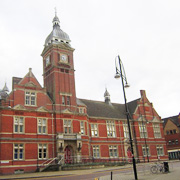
<point x="145" y="33"/>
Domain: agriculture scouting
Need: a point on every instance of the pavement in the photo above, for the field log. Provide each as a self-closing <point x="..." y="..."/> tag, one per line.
<point x="118" y="173"/>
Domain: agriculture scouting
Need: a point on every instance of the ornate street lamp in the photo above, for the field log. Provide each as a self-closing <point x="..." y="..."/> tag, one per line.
<point x="121" y="73"/>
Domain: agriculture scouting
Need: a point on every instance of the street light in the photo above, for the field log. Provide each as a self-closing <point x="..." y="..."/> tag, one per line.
<point x="121" y="73"/>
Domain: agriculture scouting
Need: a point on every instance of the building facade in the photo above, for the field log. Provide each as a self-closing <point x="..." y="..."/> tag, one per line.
<point x="41" y="123"/>
<point x="172" y="136"/>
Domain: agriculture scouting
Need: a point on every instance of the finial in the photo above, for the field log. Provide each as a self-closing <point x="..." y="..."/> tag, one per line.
<point x="55" y="11"/>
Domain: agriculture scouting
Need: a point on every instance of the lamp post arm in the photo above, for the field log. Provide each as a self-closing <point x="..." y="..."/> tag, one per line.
<point x="127" y="115"/>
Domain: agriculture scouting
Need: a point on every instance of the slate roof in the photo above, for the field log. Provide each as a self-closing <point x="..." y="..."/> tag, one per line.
<point x="102" y="109"/>
<point x="174" y="119"/>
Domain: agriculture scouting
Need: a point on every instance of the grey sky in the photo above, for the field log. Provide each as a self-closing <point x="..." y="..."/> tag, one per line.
<point x="145" y="33"/>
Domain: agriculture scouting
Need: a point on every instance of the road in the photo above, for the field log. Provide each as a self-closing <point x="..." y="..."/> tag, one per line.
<point x="119" y="172"/>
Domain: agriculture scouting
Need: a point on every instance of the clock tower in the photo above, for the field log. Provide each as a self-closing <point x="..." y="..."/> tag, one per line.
<point x="58" y="69"/>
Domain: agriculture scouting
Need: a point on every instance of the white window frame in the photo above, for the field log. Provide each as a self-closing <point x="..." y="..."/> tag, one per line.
<point x="82" y="127"/>
<point x="143" y="130"/>
<point x="160" y="150"/>
<point x="94" y="130"/>
<point x="18" y="151"/>
<point x="63" y="100"/>
<point x="19" y="124"/>
<point x="30" y="98"/>
<point x="126" y="130"/>
<point x="110" y="125"/>
<point x="42" y="125"/>
<point x="96" y="151"/>
<point x="68" y="100"/>
<point x="113" y="151"/>
<point x="146" y="150"/>
<point x="42" y="151"/>
<point x="157" y="131"/>
<point x="67" y="126"/>
<point x="81" y="110"/>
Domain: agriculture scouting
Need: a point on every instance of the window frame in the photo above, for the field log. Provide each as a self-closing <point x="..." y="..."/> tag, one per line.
<point x="126" y="130"/>
<point x="157" y="131"/>
<point x="42" y="125"/>
<point x="42" y="147"/>
<point x="28" y="102"/>
<point x="18" y="153"/>
<point x="19" y="124"/>
<point x="143" y="130"/>
<point x="113" y="151"/>
<point x="82" y="127"/>
<point x="67" y="126"/>
<point x="111" y="128"/>
<point x="158" y="149"/>
<point x="96" y="151"/>
<point x="94" y="130"/>
<point x="146" y="151"/>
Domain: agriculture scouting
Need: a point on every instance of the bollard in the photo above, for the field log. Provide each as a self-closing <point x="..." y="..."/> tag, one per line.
<point x="111" y="175"/>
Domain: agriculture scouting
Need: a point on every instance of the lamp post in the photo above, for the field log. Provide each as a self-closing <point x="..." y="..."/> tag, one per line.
<point x="121" y="73"/>
<point x="145" y="138"/>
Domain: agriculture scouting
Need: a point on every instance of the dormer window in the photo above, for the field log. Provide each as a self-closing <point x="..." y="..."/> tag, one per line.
<point x="81" y="110"/>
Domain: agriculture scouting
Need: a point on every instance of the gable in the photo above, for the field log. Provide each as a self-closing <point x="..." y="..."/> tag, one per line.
<point x="30" y="80"/>
<point x="42" y="109"/>
<point x="155" y="120"/>
<point x="66" y="111"/>
<point x="170" y="125"/>
<point x="19" y="107"/>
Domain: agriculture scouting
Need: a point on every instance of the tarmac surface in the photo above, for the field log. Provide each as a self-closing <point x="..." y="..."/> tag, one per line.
<point x="118" y="173"/>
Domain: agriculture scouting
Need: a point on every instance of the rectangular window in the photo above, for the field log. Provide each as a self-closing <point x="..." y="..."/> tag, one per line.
<point x="145" y="150"/>
<point x="94" y="130"/>
<point x="19" y="124"/>
<point x="126" y="130"/>
<point x="110" y="129"/>
<point x="42" y="151"/>
<point x="63" y="100"/>
<point x="68" y="100"/>
<point x="30" y="98"/>
<point x="82" y="127"/>
<point x="174" y="131"/>
<point x="42" y="126"/>
<point x="177" y="141"/>
<point x="113" y="152"/>
<point x="157" y="132"/>
<point x="160" y="150"/>
<point x="143" y="130"/>
<point x="18" y="151"/>
<point x="81" y="110"/>
<point x="67" y="126"/>
<point x="96" y="151"/>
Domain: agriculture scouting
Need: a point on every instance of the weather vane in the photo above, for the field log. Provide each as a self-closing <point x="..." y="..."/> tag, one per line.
<point x="55" y="11"/>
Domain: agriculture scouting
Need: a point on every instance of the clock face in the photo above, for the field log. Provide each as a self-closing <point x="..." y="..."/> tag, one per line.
<point x="47" y="60"/>
<point x="64" y="58"/>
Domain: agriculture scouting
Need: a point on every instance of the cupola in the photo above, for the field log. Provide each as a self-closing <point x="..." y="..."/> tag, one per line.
<point x="107" y="97"/>
<point x="57" y="36"/>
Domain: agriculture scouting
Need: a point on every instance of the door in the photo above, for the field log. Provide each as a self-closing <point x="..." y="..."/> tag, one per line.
<point x="68" y="155"/>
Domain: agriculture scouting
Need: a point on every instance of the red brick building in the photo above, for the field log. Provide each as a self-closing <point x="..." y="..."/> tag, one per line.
<point x="172" y="136"/>
<point x="40" y="123"/>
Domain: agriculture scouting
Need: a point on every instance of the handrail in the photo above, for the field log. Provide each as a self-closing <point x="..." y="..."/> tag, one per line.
<point x="50" y="160"/>
<point x="60" y="160"/>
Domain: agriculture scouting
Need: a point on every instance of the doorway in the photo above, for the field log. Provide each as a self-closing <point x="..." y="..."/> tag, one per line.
<point x="68" y="155"/>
